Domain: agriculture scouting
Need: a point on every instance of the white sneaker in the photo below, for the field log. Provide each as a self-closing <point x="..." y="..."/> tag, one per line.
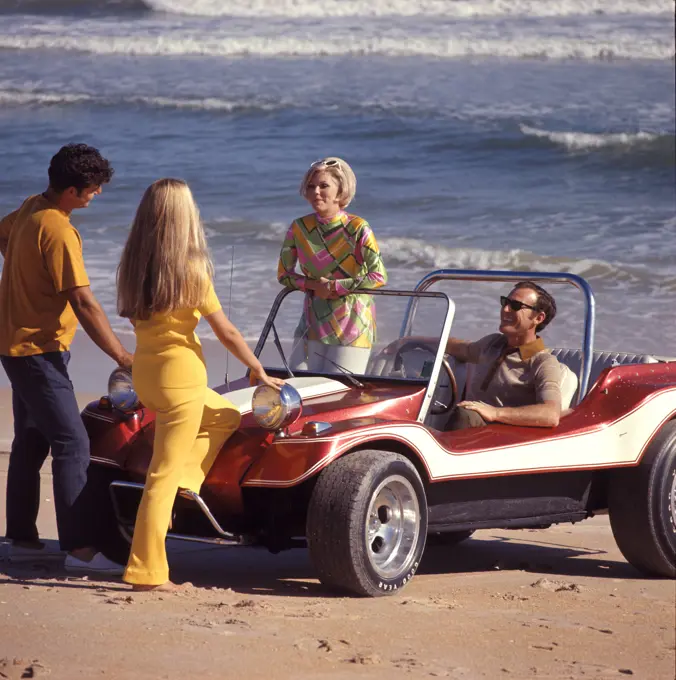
<point x="19" y="554"/>
<point x="99" y="564"/>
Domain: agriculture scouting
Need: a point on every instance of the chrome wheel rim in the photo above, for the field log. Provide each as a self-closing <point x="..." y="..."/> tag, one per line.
<point x="392" y="527"/>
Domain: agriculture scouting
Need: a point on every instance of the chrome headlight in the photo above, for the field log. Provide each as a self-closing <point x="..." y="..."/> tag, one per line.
<point x="121" y="391"/>
<point x="275" y="410"/>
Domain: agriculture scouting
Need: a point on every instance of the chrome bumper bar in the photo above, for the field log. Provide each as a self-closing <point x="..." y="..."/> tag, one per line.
<point x="224" y="537"/>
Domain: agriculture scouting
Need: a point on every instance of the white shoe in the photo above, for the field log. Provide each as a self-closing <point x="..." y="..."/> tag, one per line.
<point x="18" y="554"/>
<point x="99" y="564"/>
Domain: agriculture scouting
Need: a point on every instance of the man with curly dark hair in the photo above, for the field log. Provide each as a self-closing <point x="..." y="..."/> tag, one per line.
<point x="78" y="166"/>
<point x="44" y="292"/>
<point x="514" y="378"/>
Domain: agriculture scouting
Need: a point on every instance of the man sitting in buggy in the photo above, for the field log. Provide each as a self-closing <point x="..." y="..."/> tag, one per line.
<point x="514" y="378"/>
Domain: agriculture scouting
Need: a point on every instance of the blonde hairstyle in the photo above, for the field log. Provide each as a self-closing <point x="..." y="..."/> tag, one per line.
<point x="165" y="263"/>
<point x="340" y="171"/>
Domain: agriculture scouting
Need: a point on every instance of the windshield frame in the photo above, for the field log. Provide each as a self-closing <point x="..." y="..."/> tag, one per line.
<point x="413" y="296"/>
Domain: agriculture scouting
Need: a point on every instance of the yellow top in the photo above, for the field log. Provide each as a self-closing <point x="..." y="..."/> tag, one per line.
<point x="162" y="333"/>
<point x="43" y="258"/>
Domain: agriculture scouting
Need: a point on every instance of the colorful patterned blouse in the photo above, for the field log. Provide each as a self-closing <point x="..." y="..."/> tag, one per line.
<point x="345" y="250"/>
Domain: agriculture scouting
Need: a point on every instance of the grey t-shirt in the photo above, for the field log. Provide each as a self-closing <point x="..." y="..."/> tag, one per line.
<point x="528" y="376"/>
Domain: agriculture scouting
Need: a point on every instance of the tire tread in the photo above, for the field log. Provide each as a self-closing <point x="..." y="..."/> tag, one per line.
<point x="632" y="512"/>
<point x="334" y="521"/>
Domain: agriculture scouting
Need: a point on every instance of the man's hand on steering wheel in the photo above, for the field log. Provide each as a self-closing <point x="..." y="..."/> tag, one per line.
<point x="411" y="343"/>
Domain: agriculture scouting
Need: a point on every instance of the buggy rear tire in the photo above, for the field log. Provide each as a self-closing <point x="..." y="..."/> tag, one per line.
<point x="367" y="523"/>
<point x="642" y="507"/>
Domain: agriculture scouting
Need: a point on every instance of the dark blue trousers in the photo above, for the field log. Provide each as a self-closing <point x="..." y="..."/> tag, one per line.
<point x="46" y="416"/>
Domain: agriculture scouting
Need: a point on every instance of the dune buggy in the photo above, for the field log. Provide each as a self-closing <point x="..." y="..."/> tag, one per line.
<point x="359" y="469"/>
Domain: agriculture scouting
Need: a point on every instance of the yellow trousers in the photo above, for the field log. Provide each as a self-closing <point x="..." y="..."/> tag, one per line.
<point x="192" y="423"/>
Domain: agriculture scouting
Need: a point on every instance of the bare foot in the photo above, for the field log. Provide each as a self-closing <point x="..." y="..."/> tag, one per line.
<point x="166" y="587"/>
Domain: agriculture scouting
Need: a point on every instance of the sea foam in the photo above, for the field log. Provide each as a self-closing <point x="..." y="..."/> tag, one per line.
<point x="457" y="9"/>
<point x="621" y="46"/>
<point x="577" y="141"/>
<point x="442" y="8"/>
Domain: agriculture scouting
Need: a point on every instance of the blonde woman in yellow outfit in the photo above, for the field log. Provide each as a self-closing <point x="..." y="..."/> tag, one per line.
<point x="164" y="287"/>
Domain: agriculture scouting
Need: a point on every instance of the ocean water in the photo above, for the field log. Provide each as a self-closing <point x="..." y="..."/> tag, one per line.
<point x="498" y="134"/>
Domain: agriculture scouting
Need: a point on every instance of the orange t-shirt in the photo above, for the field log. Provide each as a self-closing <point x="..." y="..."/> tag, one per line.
<point x="43" y="258"/>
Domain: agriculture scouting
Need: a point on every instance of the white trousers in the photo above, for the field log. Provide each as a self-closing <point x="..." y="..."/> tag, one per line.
<point x="320" y="356"/>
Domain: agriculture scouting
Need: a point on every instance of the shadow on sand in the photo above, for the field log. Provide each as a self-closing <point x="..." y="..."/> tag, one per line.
<point x="522" y="551"/>
<point x="290" y="573"/>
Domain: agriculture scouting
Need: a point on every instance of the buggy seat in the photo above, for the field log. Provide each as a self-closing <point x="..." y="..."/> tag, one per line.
<point x="572" y="358"/>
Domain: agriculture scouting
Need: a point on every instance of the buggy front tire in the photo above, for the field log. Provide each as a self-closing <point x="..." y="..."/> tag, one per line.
<point x="367" y="523"/>
<point x="642" y="507"/>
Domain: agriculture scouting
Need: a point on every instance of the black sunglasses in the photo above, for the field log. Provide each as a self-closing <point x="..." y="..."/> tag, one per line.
<point x="515" y="305"/>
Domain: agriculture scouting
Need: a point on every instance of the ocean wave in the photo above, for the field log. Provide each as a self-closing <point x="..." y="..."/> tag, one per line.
<point x="458" y="9"/>
<point x="22" y="98"/>
<point x="423" y="255"/>
<point x="583" y="141"/>
<point x="11" y="97"/>
<point x="648" y="149"/>
<point x="621" y="46"/>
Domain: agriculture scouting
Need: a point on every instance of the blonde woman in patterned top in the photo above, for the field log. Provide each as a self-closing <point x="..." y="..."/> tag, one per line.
<point x="338" y="255"/>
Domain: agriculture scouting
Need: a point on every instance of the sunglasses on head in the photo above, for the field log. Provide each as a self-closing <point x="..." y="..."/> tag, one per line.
<point x="332" y="163"/>
<point x="515" y="305"/>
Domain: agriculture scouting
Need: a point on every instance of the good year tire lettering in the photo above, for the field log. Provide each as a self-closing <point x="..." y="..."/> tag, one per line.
<point x="403" y="582"/>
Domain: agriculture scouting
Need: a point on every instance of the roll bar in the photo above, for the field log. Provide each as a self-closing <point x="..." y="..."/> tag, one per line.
<point x="516" y="276"/>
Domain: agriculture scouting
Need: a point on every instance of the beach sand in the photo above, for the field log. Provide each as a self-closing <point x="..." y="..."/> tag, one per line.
<point x="556" y="603"/>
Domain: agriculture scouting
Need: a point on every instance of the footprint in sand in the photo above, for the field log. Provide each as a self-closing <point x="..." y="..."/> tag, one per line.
<point x="510" y="597"/>
<point x="14" y="669"/>
<point x="306" y="614"/>
<point x="365" y="659"/>
<point x="432" y="603"/>
<point x="556" y="586"/>
<point x="119" y="600"/>
<point x="199" y="623"/>
<point x="252" y="605"/>
<point x="408" y="663"/>
<point x="237" y="622"/>
<point x="412" y="664"/>
<point x="606" y="631"/>
<point x="599" y="671"/>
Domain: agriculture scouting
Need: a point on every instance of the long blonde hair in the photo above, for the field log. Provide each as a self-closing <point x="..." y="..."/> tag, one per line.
<point x="165" y="263"/>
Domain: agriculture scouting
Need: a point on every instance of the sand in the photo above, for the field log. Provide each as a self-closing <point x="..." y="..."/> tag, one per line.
<point x="556" y="603"/>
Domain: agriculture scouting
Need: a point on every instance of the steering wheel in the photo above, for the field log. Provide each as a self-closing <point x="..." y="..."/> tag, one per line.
<point x="398" y="364"/>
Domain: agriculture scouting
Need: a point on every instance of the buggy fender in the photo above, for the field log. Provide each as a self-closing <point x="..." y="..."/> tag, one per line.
<point x="117" y="438"/>
<point x="294" y="459"/>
